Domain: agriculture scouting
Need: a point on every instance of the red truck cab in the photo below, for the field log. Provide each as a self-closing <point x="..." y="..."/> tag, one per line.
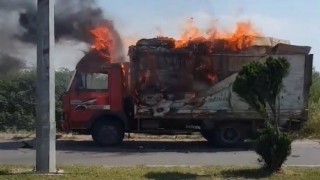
<point x="90" y="99"/>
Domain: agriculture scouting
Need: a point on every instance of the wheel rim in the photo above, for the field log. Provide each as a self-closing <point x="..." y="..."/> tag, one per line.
<point x="230" y="135"/>
<point x="108" y="134"/>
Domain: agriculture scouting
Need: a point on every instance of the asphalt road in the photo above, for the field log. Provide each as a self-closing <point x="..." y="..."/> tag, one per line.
<point x="130" y="153"/>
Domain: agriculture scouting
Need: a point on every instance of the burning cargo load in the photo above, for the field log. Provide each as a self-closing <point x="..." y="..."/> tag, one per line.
<point x="195" y="77"/>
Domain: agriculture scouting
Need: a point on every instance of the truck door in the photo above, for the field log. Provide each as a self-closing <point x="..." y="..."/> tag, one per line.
<point x="91" y="95"/>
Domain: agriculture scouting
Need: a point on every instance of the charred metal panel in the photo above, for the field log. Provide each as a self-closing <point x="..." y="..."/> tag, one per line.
<point x="179" y="80"/>
<point x="183" y="83"/>
<point x="94" y="62"/>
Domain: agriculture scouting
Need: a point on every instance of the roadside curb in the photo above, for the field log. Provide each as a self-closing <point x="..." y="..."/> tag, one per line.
<point x="311" y="166"/>
<point x="194" y="166"/>
<point x="168" y="166"/>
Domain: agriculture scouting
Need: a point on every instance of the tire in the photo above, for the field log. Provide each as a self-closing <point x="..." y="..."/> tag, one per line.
<point x="230" y="135"/>
<point x="106" y="132"/>
<point x="208" y="135"/>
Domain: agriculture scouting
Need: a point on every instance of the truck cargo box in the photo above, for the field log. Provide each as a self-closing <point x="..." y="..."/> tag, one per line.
<point x="194" y="82"/>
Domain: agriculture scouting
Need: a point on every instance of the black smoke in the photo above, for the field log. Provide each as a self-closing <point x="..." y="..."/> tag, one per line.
<point x="10" y="65"/>
<point x="73" y="20"/>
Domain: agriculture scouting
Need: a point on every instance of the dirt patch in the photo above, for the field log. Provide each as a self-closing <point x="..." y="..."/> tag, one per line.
<point x="134" y="136"/>
<point x="17" y="136"/>
<point x="128" y="136"/>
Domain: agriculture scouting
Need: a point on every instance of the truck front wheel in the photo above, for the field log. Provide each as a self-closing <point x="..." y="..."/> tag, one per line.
<point x="105" y="132"/>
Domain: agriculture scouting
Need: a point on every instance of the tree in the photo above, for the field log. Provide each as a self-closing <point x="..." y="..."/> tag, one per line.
<point x="17" y="98"/>
<point x="17" y="101"/>
<point x="259" y="84"/>
<point x="313" y="125"/>
<point x="63" y="77"/>
<point x="315" y="88"/>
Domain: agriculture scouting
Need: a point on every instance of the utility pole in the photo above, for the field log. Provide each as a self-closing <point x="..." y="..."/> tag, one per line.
<point x="45" y="116"/>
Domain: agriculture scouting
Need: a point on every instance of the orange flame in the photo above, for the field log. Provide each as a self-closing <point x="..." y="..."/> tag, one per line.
<point x="241" y="37"/>
<point x="191" y="32"/>
<point x="211" y="77"/>
<point x="103" y="42"/>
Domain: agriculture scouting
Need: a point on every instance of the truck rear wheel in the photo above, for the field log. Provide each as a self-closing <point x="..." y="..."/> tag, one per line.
<point x="107" y="133"/>
<point x="230" y="135"/>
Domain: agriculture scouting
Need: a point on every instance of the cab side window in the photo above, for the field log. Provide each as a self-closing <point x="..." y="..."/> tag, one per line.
<point x="92" y="81"/>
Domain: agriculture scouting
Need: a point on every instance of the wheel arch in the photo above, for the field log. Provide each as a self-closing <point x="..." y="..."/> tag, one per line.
<point x="211" y="130"/>
<point x="107" y="116"/>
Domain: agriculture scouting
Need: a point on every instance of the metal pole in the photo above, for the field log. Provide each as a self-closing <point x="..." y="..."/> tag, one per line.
<point x="45" y="117"/>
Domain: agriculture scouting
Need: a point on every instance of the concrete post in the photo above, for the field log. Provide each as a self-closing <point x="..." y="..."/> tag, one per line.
<point x="45" y="114"/>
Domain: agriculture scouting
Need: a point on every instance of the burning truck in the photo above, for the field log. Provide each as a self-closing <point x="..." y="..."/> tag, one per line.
<point x="171" y="86"/>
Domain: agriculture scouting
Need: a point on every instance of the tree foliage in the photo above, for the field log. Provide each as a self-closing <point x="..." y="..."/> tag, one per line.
<point x="248" y="86"/>
<point x="259" y="84"/>
<point x="315" y="87"/>
<point x="273" y="148"/>
<point x="312" y="127"/>
<point x="17" y="98"/>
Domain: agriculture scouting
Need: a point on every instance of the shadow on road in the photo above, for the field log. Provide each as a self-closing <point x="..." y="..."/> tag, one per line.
<point x="128" y="146"/>
<point x="256" y="173"/>
<point x="144" y="146"/>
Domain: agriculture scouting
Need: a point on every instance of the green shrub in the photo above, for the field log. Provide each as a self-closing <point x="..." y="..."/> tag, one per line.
<point x="312" y="128"/>
<point x="259" y="84"/>
<point x="17" y="99"/>
<point x="313" y="124"/>
<point x="274" y="149"/>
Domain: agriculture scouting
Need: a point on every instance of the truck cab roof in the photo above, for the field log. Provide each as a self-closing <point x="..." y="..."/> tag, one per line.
<point x="94" y="62"/>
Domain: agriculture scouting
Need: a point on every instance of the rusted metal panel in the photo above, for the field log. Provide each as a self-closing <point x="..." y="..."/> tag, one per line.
<point x="179" y="83"/>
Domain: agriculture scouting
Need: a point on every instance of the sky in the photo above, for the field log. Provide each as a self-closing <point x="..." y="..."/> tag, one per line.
<point x="296" y="21"/>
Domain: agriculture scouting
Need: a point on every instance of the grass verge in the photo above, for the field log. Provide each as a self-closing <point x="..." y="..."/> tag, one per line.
<point x="144" y="172"/>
